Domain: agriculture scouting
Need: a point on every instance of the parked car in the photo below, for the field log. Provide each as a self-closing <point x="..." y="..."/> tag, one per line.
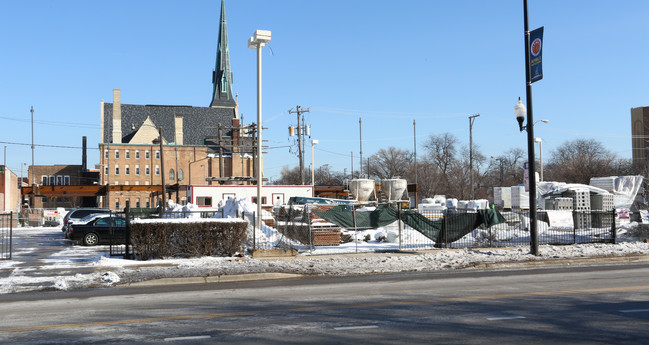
<point x="78" y="213"/>
<point x="85" y="220"/>
<point x="99" y="229"/>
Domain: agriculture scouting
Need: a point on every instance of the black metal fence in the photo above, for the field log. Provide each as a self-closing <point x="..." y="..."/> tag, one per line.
<point x="554" y="227"/>
<point x="298" y="228"/>
<point x="6" y="235"/>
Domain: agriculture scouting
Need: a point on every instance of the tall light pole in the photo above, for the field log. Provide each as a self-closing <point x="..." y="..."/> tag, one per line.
<point x="360" y="133"/>
<point x="257" y="41"/>
<point x="33" y="172"/>
<point x="313" y="143"/>
<point x="162" y="171"/>
<point x="471" y="119"/>
<point x="520" y="111"/>
<point x="540" y="141"/>
<point x="414" y="130"/>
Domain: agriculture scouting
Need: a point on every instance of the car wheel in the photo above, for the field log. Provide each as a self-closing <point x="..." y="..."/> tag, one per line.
<point x="90" y="239"/>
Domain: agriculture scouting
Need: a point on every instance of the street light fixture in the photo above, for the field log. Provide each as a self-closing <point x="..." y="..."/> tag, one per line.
<point x="258" y="41"/>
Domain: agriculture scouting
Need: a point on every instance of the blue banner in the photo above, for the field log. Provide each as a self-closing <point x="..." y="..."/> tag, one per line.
<point x="536" y="50"/>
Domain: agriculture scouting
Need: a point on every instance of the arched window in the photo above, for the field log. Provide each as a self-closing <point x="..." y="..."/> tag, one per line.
<point x="172" y="175"/>
<point x="180" y="174"/>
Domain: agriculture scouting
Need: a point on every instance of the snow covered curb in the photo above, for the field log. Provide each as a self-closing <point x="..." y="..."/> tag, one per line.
<point x="365" y="263"/>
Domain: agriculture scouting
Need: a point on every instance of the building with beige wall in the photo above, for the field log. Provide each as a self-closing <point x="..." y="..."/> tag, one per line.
<point x="185" y="145"/>
<point x="9" y="192"/>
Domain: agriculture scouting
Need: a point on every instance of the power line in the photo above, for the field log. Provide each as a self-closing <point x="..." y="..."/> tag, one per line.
<point x="53" y="123"/>
<point x="388" y="114"/>
<point x="42" y="145"/>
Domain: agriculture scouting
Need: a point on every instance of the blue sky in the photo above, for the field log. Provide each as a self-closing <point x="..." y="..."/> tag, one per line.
<point x="387" y="62"/>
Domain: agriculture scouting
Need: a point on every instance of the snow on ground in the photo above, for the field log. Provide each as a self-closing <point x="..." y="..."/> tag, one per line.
<point x="38" y="265"/>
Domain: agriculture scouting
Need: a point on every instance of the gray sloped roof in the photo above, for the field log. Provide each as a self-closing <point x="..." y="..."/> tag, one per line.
<point x="198" y="122"/>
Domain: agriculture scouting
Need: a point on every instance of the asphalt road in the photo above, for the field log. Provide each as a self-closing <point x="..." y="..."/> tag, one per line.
<point x="585" y="305"/>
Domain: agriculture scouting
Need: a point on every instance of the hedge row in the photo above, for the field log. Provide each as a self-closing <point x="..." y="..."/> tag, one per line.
<point x="158" y="239"/>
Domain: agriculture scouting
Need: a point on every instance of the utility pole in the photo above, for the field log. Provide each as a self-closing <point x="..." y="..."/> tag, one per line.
<point x="360" y="130"/>
<point x="300" y="137"/>
<point x="162" y="174"/>
<point x="471" y="119"/>
<point x="220" y="151"/>
<point x="33" y="172"/>
<point x="414" y="128"/>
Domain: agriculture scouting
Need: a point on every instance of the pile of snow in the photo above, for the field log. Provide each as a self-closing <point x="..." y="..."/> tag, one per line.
<point x="173" y="210"/>
<point x="266" y="237"/>
<point x="76" y="267"/>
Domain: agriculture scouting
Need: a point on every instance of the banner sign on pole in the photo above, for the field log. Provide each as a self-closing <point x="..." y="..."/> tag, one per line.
<point x="536" y="50"/>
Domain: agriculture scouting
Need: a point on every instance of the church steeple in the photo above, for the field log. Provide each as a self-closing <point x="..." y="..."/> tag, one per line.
<point x="222" y="75"/>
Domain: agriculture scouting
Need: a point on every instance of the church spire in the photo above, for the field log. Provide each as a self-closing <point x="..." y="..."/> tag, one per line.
<point x="222" y="75"/>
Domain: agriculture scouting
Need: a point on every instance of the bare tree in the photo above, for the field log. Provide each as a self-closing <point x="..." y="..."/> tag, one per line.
<point x="442" y="149"/>
<point x="289" y="176"/>
<point x="578" y="160"/>
<point x="507" y="169"/>
<point x="324" y="176"/>
<point x="390" y="162"/>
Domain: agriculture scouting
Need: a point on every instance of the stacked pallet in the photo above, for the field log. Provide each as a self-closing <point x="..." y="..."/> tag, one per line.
<point x="520" y="199"/>
<point x="559" y="204"/>
<point x="580" y="204"/>
<point x="604" y="206"/>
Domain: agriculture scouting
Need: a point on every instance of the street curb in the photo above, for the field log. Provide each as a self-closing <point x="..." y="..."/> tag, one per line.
<point x="563" y="262"/>
<point x="215" y="279"/>
<point x="494" y="265"/>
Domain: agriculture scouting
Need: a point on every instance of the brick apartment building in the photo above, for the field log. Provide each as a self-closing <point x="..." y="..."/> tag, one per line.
<point x="185" y="145"/>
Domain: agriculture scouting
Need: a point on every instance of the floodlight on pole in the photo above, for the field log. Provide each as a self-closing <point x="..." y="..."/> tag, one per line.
<point x="258" y="41"/>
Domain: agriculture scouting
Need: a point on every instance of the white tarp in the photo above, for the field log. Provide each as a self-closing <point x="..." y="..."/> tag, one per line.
<point x="546" y="188"/>
<point x="624" y="188"/>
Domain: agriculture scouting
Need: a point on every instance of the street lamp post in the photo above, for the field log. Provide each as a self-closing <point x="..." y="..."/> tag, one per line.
<point x="257" y="41"/>
<point x="162" y="172"/>
<point x="540" y="141"/>
<point x="520" y="111"/>
<point x="33" y="173"/>
<point x="471" y="119"/>
<point x="313" y="143"/>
